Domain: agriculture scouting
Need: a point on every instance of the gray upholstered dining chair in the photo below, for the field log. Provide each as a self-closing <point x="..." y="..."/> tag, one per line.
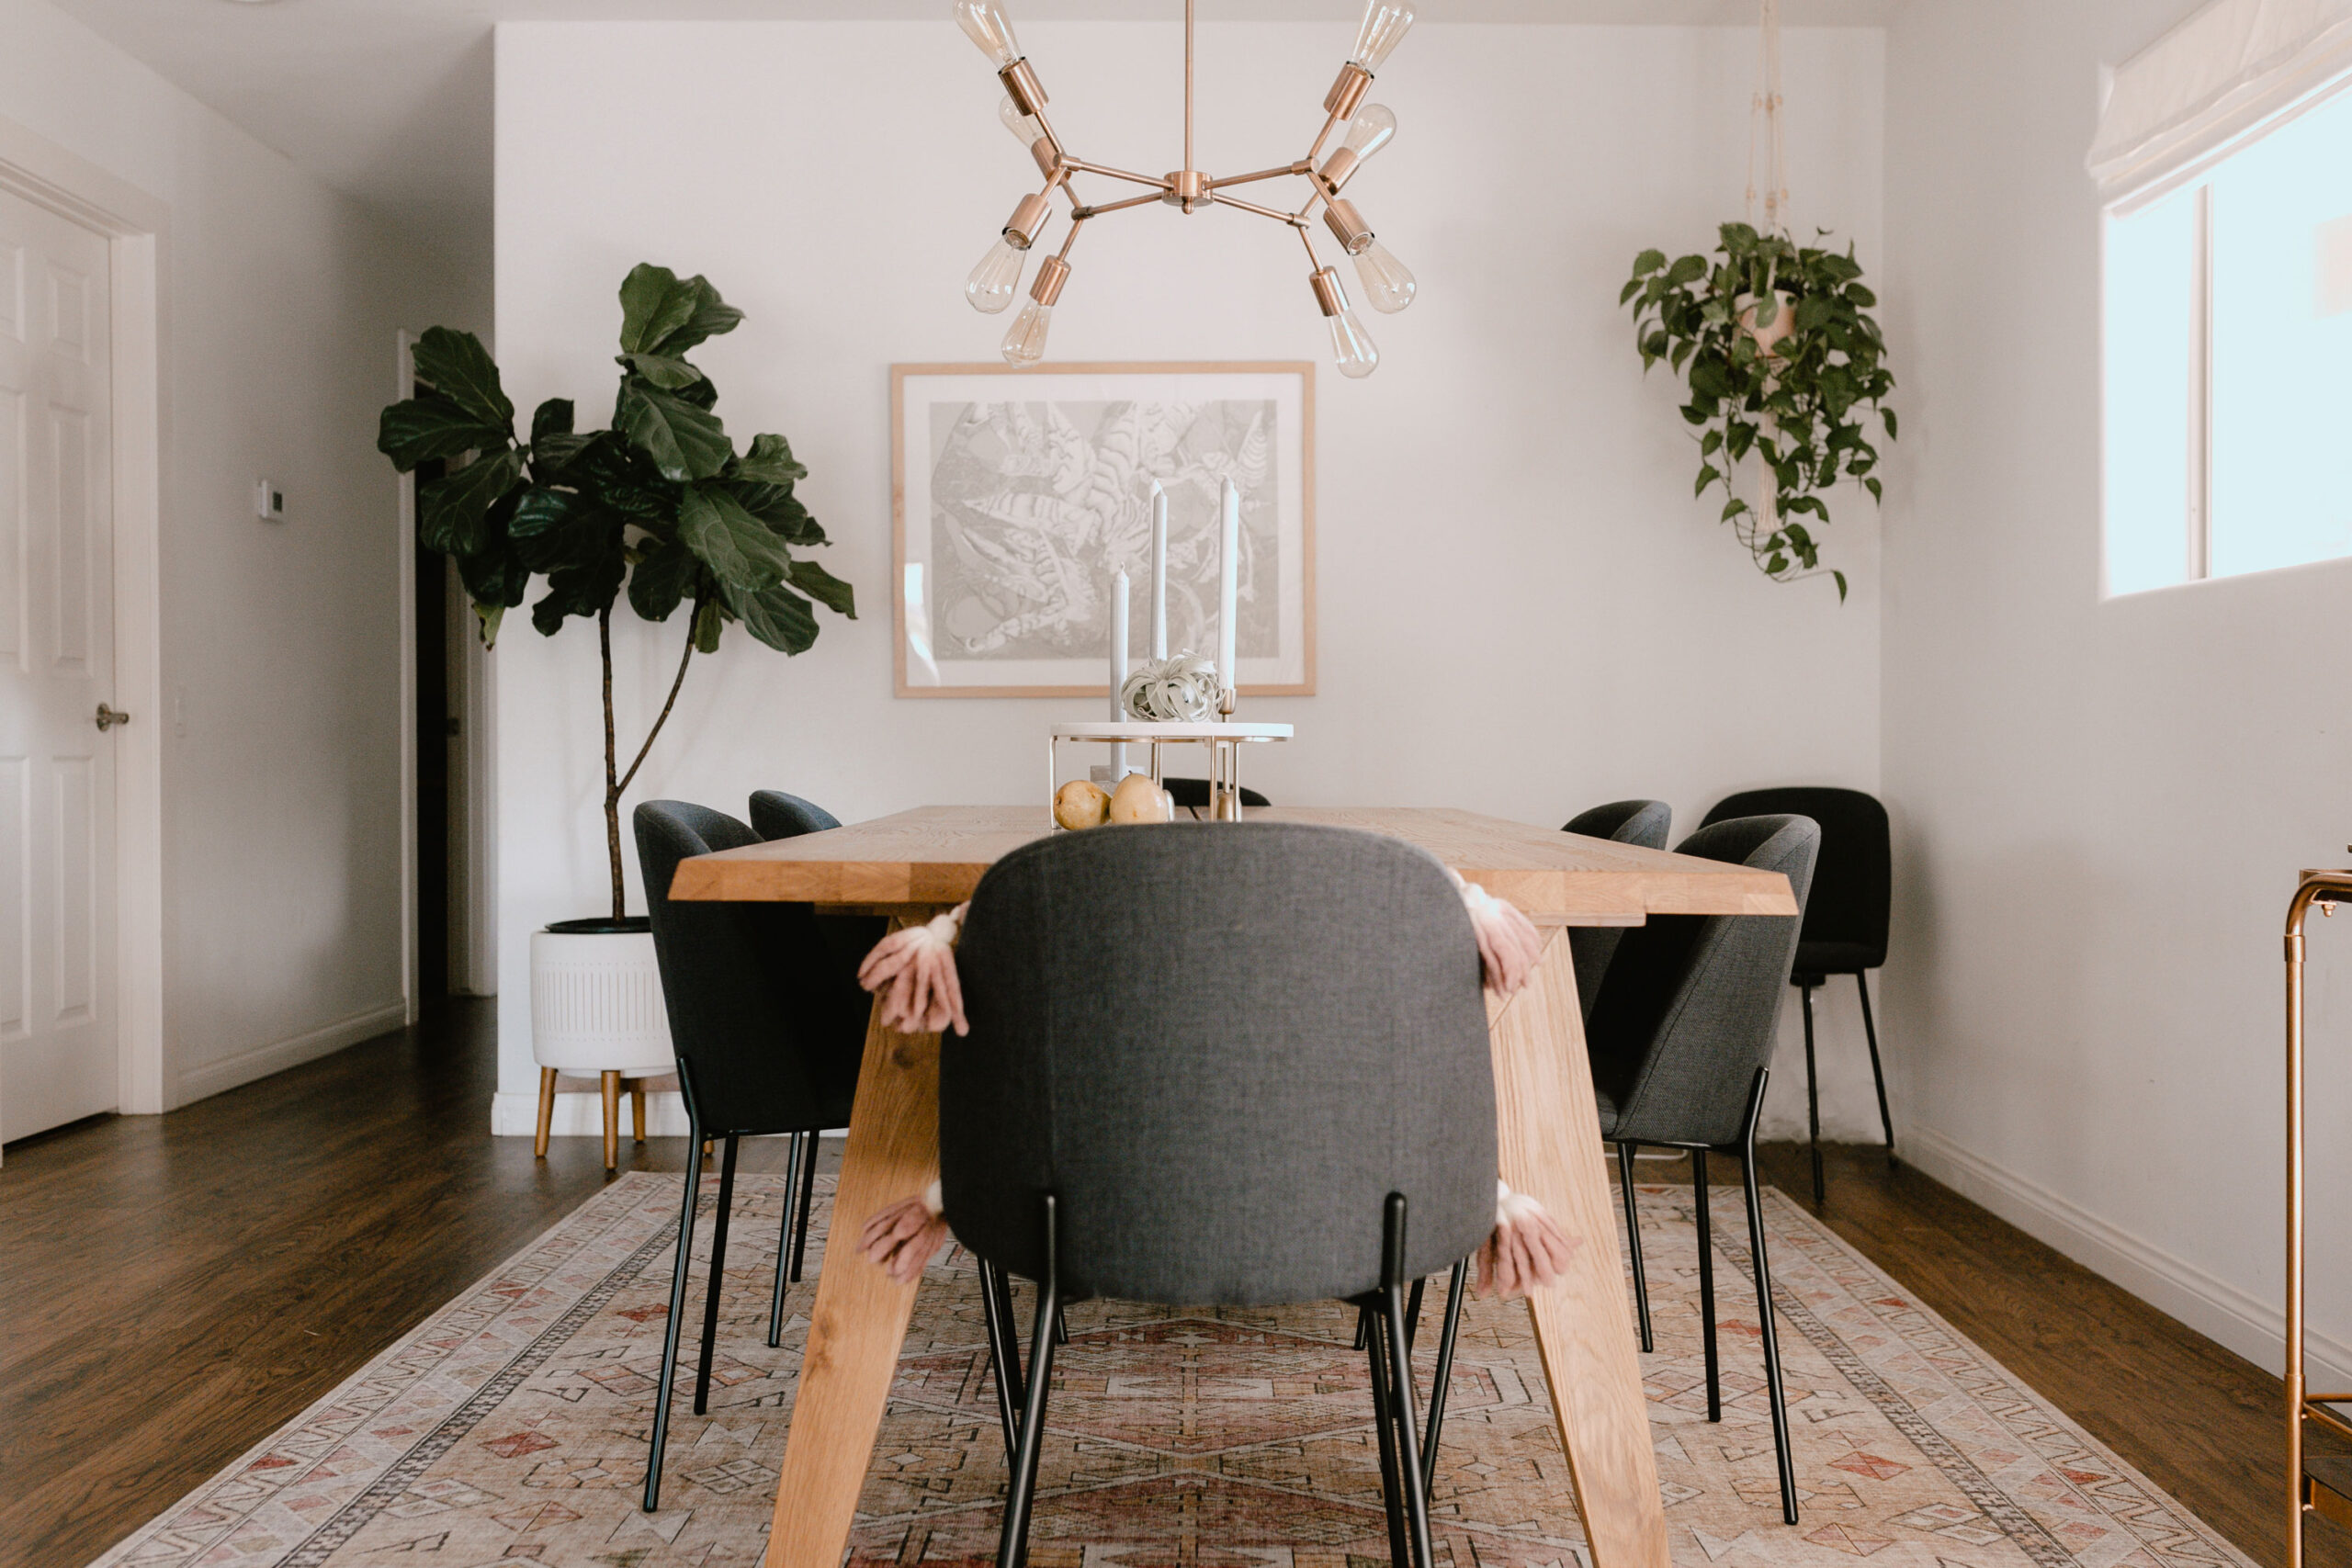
<point x="1240" y="1064"/>
<point x="847" y="939"/>
<point x="768" y="1034"/>
<point x="1645" y="823"/>
<point x="1681" y="1045"/>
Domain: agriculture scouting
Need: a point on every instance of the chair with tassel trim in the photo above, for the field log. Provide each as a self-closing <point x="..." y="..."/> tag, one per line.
<point x="1240" y="1064"/>
<point x="769" y="1033"/>
<point x="1681" y="1045"/>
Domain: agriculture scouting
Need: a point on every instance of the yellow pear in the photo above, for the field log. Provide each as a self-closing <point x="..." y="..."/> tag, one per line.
<point x="1138" y="799"/>
<point x="1081" y="804"/>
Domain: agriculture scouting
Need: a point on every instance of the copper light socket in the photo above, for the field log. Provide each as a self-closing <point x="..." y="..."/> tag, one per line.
<point x="1338" y="167"/>
<point x="1329" y="296"/>
<point x="1028" y="93"/>
<point x="1187" y="188"/>
<point x="1347" y="225"/>
<point x="1052" y="273"/>
<point x="1348" y="91"/>
<point x="1028" y="219"/>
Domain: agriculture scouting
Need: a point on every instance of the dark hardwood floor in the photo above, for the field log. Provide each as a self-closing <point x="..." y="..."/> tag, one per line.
<point x="174" y="1288"/>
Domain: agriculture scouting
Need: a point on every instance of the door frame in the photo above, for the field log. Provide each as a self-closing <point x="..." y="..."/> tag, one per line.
<point x="137" y="228"/>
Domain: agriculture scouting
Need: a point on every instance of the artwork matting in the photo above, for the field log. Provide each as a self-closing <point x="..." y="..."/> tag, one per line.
<point x="1012" y="506"/>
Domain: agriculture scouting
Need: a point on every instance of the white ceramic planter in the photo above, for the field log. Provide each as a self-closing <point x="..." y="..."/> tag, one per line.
<point x="596" y="1004"/>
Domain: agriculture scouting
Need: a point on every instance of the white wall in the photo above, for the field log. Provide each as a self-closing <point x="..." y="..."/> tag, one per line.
<point x="279" y="642"/>
<point x="2101" y="808"/>
<point x="1523" y="610"/>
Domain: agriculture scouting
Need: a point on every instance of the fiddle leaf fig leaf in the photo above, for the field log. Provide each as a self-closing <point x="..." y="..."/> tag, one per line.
<point x="825" y="588"/>
<point x="741" y="551"/>
<point x="653" y="305"/>
<point x="684" y="442"/>
<point x="420" y="429"/>
<point x="663" y="371"/>
<point x="710" y="317"/>
<point x="776" y="615"/>
<point x="662" y="580"/>
<point x="769" y="461"/>
<point x="450" y="512"/>
<point x="553" y="417"/>
<point x="455" y="365"/>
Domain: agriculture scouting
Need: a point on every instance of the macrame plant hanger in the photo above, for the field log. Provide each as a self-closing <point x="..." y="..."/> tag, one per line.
<point x="1764" y="126"/>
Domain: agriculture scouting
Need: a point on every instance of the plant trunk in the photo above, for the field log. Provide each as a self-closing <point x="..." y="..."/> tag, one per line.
<point x="616" y="783"/>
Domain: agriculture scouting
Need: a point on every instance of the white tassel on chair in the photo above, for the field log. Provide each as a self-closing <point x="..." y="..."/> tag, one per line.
<point x="1510" y="947"/>
<point x="915" y="966"/>
<point x="1527" y="1251"/>
<point x="903" y="1238"/>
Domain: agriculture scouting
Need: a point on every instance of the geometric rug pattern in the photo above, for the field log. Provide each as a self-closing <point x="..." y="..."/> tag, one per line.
<point x="510" y="1428"/>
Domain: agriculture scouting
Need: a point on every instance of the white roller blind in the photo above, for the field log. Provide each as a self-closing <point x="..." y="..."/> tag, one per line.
<point x="2226" y="70"/>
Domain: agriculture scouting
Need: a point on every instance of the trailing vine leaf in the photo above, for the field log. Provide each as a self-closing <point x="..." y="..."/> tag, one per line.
<point x="1797" y="406"/>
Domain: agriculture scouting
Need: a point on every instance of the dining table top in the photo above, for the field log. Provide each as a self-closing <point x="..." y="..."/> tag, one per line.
<point x="935" y="856"/>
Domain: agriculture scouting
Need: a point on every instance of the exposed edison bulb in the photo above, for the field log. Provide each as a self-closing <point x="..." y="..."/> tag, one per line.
<point x="1352" y="348"/>
<point x="1384" y="26"/>
<point x="1027" y="127"/>
<point x="1387" y="282"/>
<point x="1374" y="128"/>
<point x="991" y="286"/>
<point x="985" y="23"/>
<point x="1024" y="341"/>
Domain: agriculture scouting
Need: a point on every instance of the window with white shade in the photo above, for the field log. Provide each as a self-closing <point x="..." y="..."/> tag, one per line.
<point x="2228" y="319"/>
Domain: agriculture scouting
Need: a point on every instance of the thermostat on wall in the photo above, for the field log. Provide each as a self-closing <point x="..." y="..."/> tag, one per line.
<point x="269" y="502"/>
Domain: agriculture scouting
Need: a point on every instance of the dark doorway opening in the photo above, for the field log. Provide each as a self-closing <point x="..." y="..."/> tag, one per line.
<point x="436" y="725"/>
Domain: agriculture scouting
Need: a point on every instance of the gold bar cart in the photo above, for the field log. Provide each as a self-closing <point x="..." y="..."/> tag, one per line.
<point x="2316" y="1483"/>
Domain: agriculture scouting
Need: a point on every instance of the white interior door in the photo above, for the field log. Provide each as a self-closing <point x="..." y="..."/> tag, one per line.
<point x="58" y="1051"/>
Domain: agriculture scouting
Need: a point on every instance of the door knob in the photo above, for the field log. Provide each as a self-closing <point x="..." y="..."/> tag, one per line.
<point x="109" y="718"/>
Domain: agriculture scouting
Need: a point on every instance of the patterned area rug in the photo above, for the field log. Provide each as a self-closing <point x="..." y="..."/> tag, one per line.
<point x="511" y="1429"/>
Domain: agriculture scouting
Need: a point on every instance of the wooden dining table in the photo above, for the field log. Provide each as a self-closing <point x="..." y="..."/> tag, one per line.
<point x="916" y="863"/>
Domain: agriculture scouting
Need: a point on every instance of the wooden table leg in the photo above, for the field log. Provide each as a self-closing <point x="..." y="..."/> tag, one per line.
<point x="1550" y="1138"/>
<point x="860" y="1318"/>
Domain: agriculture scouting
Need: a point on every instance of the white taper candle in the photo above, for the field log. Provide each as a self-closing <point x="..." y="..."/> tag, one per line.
<point x="1229" y="591"/>
<point x="1159" y="572"/>
<point x="1118" y="667"/>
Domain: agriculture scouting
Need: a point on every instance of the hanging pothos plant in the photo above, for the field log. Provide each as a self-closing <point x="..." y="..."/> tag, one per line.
<point x="1783" y="361"/>
<point x="661" y="503"/>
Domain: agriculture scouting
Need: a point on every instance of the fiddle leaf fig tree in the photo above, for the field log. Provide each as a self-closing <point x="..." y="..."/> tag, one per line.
<point x="1782" y="360"/>
<point x="660" y="504"/>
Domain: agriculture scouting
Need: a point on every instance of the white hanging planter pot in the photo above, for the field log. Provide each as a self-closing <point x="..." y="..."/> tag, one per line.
<point x="596" y="999"/>
<point x="1768" y="338"/>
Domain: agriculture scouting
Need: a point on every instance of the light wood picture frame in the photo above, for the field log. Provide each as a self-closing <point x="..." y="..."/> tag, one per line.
<point x="1012" y="504"/>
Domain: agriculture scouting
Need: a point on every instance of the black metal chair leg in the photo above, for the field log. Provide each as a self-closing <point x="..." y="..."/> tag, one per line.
<point x="1413" y="1313"/>
<point x="1878" y="1073"/>
<point x="1456" y="1288"/>
<point x="1400" y="1365"/>
<point x="1764" y="1302"/>
<point x="784" y="1243"/>
<point x="1369" y="1335"/>
<point x="1706" y="1282"/>
<point x="1633" y="1243"/>
<point x="808" y="1201"/>
<point x="1004" y="1356"/>
<point x="677" y="1319"/>
<point x="718" y="1272"/>
<point x="1012" y="1544"/>
<point x="1061" y="1327"/>
<point x="1811" y="1098"/>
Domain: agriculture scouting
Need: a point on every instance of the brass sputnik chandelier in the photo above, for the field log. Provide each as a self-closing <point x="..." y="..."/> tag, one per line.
<point x="1386" y="281"/>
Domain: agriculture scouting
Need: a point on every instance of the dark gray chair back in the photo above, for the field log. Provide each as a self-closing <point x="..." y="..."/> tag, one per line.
<point x="1853" y="888"/>
<point x="767" y="1031"/>
<point x="1643" y="822"/>
<point x="776" y="815"/>
<point x="1220" y="1046"/>
<point x="1693" y="1006"/>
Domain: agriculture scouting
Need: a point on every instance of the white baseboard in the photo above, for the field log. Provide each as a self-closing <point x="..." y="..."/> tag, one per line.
<point x="199" y="1083"/>
<point x="2206" y="1302"/>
